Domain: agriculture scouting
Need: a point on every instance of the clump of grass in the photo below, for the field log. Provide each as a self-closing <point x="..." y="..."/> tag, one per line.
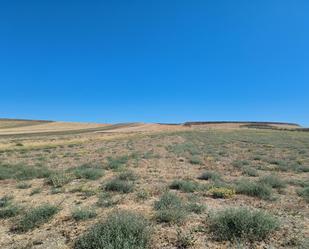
<point x="84" y="190"/>
<point x="22" y="172"/>
<point x="185" y="239"/>
<point x="221" y="192"/>
<point x="302" y="168"/>
<point x="118" y="185"/>
<point x="196" y="208"/>
<point x="248" y="171"/>
<point x="240" y="163"/>
<point x="9" y="210"/>
<point x="57" y="190"/>
<point x="122" y="229"/>
<point x="242" y="223"/>
<point x="170" y="209"/>
<point x="304" y="193"/>
<point x="23" y="185"/>
<point x="255" y="189"/>
<point x="36" y="217"/>
<point x="117" y="162"/>
<point x="196" y="159"/>
<point x="184" y="185"/>
<point x="35" y="191"/>
<point x="5" y="200"/>
<point x="106" y="200"/>
<point x="273" y="181"/>
<point x="83" y="214"/>
<point x="210" y="175"/>
<point x="58" y="179"/>
<point x="127" y="176"/>
<point x="142" y="195"/>
<point x="87" y="171"/>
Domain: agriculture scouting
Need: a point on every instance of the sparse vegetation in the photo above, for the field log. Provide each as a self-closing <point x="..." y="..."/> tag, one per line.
<point x="120" y="230"/>
<point x="59" y="179"/>
<point x="255" y="189"/>
<point x="209" y="175"/>
<point x="304" y="193"/>
<point x="221" y="192"/>
<point x="184" y="185"/>
<point x="35" y="217"/>
<point x="119" y="186"/>
<point x="273" y="181"/>
<point x="83" y="214"/>
<point x="88" y="171"/>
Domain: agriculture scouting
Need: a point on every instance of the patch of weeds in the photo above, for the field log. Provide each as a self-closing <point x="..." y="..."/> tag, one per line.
<point x="127" y="176"/>
<point x="248" y="171"/>
<point x="22" y="172"/>
<point x="304" y="193"/>
<point x="142" y="195"/>
<point x="210" y="175"/>
<point x="221" y="192"/>
<point x="252" y="188"/>
<point x="242" y="223"/>
<point x="87" y="171"/>
<point x="5" y="200"/>
<point x="35" y="191"/>
<point x="196" y="159"/>
<point x="196" y="208"/>
<point x="170" y="209"/>
<point x="185" y="239"/>
<point x="36" y="217"/>
<point x="117" y="162"/>
<point x="23" y="185"/>
<point x="9" y="211"/>
<point x="121" y="229"/>
<point x="107" y="200"/>
<point x="59" y="179"/>
<point x="84" y="190"/>
<point x="187" y="148"/>
<point x="184" y="185"/>
<point x="302" y="169"/>
<point x="273" y="181"/>
<point x="240" y="163"/>
<point x="298" y="182"/>
<point x="83" y="214"/>
<point x="56" y="190"/>
<point x="118" y="185"/>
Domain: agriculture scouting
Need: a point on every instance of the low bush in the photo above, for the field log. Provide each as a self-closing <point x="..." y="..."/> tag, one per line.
<point x="23" y="185"/>
<point x="59" y="179"/>
<point x="9" y="211"/>
<point x="273" y="181"/>
<point x="170" y="209"/>
<point x="117" y="162"/>
<point x="209" y="175"/>
<point x="184" y="185"/>
<point x="83" y="214"/>
<point x="221" y="192"/>
<point x="22" y="172"/>
<point x="106" y="200"/>
<point x="240" y="163"/>
<point x="87" y="171"/>
<point x="5" y="200"/>
<point x="196" y="159"/>
<point x="35" y="217"/>
<point x="196" y="208"/>
<point x="242" y="223"/>
<point x="127" y="176"/>
<point x="248" y="171"/>
<point x="121" y="230"/>
<point x="118" y="185"/>
<point x="304" y="193"/>
<point x="252" y="188"/>
<point x="35" y="191"/>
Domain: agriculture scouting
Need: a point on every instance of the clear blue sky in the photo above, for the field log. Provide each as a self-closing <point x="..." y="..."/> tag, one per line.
<point x="155" y="61"/>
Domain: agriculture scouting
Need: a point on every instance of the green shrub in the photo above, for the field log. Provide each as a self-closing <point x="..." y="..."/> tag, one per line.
<point x="9" y="211"/>
<point x="127" y="176"/>
<point x="240" y="163"/>
<point x="117" y="162"/>
<point x="196" y="208"/>
<point x="121" y="230"/>
<point x="59" y="179"/>
<point x="170" y="209"/>
<point x="196" y="159"/>
<point x="242" y="223"/>
<point x="5" y="200"/>
<point x="35" y="217"/>
<point x="251" y="188"/>
<point x="118" y="185"/>
<point x="142" y="195"/>
<point x="106" y="200"/>
<point x="248" y="171"/>
<point x="185" y="239"/>
<point x="304" y="193"/>
<point x="23" y="185"/>
<point x="87" y="171"/>
<point x="35" y="191"/>
<point x="209" y="175"/>
<point x="83" y="214"/>
<point x="184" y="185"/>
<point x="273" y="181"/>
<point x="22" y="172"/>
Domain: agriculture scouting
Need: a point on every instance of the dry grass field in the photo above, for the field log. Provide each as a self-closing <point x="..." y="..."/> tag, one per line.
<point x="127" y="186"/>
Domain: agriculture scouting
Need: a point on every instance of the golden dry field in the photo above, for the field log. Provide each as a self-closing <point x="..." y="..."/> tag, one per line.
<point x="92" y="186"/>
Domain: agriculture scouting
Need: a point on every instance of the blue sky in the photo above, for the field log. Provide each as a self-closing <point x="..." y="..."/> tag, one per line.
<point x="155" y="61"/>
